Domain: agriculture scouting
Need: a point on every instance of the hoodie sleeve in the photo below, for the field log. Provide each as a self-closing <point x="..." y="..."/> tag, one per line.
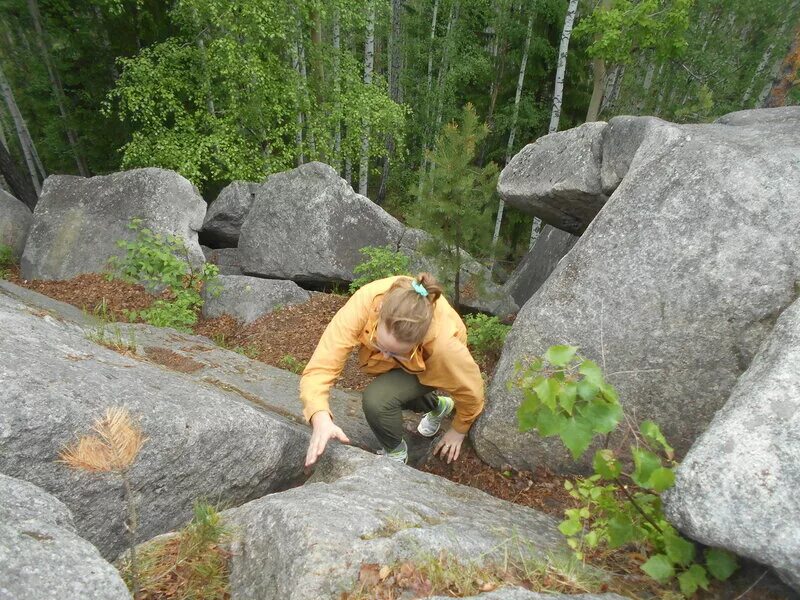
<point x="335" y="345"/>
<point x="451" y="368"/>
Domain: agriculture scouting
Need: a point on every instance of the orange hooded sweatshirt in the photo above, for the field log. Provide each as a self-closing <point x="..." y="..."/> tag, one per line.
<point x="441" y="361"/>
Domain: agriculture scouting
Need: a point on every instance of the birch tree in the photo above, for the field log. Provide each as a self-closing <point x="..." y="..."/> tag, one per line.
<point x="512" y="133"/>
<point x="25" y="142"/>
<point x="369" y="60"/>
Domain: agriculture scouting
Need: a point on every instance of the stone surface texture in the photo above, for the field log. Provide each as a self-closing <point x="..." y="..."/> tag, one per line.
<point x="309" y="542"/>
<point x="227" y="259"/>
<point x="673" y="286"/>
<point x="78" y="220"/>
<point x="248" y="298"/>
<point x="41" y="555"/>
<point x="203" y="440"/>
<point x="15" y="222"/>
<point x="533" y="270"/>
<point x="225" y="215"/>
<point x="557" y="178"/>
<point x="308" y="225"/>
<point x="737" y="486"/>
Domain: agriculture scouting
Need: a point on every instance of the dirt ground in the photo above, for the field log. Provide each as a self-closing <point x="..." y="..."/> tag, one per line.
<point x="287" y="338"/>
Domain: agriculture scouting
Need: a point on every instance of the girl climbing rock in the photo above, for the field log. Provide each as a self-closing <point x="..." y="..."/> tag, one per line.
<point x="416" y="343"/>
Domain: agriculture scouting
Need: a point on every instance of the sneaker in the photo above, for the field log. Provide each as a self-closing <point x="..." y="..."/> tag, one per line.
<point x="399" y="454"/>
<point x="431" y="422"/>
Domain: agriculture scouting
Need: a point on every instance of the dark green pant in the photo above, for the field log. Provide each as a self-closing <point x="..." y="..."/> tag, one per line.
<point x="384" y="399"/>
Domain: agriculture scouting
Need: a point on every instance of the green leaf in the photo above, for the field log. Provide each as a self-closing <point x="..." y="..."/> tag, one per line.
<point x="570" y="527"/>
<point x="587" y="390"/>
<point x="604" y="417"/>
<point x="527" y="413"/>
<point x="645" y="462"/>
<point x="659" y="568"/>
<point x="547" y="390"/>
<point x="576" y="435"/>
<point x="652" y="433"/>
<point x="694" y="577"/>
<point x="662" y="479"/>
<point x="559" y="356"/>
<point x="549" y="423"/>
<point x="679" y="550"/>
<point x="591" y="372"/>
<point x="721" y="563"/>
<point x="606" y="465"/>
<point x="620" y="530"/>
<point x="567" y="396"/>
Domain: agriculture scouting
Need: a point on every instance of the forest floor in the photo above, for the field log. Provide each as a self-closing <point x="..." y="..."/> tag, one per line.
<point x="286" y="339"/>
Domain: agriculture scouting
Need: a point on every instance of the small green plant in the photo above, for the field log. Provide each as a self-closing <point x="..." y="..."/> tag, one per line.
<point x="379" y="262"/>
<point x="567" y="395"/>
<point x="162" y="262"/>
<point x="248" y="350"/>
<point x="7" y="260"/>
<point x="486" y="335"/>
<point x="189" y="564"/>
<point x="108" y="333"/>
<point x="292" y="364"/>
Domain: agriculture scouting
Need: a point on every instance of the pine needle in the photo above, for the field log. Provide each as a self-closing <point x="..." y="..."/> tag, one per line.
<point x="113" y="447"/>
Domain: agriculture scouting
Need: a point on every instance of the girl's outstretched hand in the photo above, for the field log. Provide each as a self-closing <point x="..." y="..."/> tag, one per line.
<point x="324" y="430"/>
<point x="450" y="445"/>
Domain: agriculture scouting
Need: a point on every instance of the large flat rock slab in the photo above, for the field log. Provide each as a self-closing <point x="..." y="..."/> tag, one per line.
<point x="41" y="555"/>
<point x="204" y="440"/>
<point x="557" y="178"/>
<point x="78" y="220"/>
<point x="737" y="487"/>
<point x="672" y="288"/>
<point x="309" y="542"/>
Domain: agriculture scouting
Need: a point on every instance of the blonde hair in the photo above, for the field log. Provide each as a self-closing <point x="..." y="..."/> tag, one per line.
<point x="405" y="312"/>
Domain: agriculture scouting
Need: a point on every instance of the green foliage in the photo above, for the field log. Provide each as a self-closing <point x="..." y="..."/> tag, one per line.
<point x="485" y="335"/>
<point x="379" y="262"/>
<point x="162" y="262"/>
<point x="630" y="26"/>
<point x="456" y="198"/>
<point x="189" y="564"/>
<point x="292" y="364"/>
<point x="567" y="395"/>
<point x="248" y="350"/>
<point x="7" y="260"/>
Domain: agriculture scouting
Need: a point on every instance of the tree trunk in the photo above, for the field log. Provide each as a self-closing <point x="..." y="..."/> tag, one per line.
<point x="512" y="133"/>
<point x="395" y="91"/>
<point x="298" y="136"/>
<point x="337" y="136"/>
<point x="787" y="75"/>
<point x="58" y="90"/>
<point x="599" y="77"/>
<point x="25" y="142"/>
<point x="423" y="162"/>
<point x="430" y="49"/>
<point x="369" y="58"/>
<point x="558" y="92"/>
<point x="20" y="187"/>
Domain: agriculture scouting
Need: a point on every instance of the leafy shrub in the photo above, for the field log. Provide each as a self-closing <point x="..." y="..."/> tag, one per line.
<point x="486" y="335"/>
<point x="568" y="396"/>
<point x="162" y="262"/>
<point x="379" y="262"/>
<point x="7" y="260"/>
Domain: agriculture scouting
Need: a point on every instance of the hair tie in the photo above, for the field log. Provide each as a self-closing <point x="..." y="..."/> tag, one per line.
<point x="420" y="289"/>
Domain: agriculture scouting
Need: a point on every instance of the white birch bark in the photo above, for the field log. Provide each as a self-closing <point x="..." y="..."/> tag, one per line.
<point x="337" y="44"/>
<point x="19" y="124"/>
<point x="298" y="136"/>
<point x="433" y="37"/>
<point x="510" y="147"/>
<point x="369" y="58"/>
<point x="558" y="92"/>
